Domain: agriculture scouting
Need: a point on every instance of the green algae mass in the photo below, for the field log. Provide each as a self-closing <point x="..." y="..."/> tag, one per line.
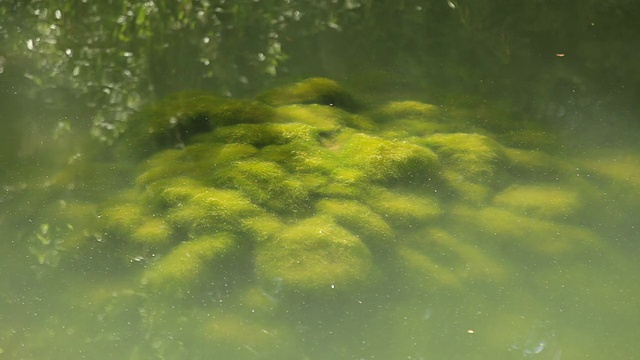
<point x="311" y="91"/>
<point x="358" y="219"/>
<point x="406" y="109"/>
<point x="387" y="160"/>
<point x="189" y="263"/>
<point x="176" y="119"/>
<point x="530" y="234"/>
<point x="473" y="156"/>
<point x="544" y="200"/>
<point x="152" y="232"/>
<point x="239" y="224"/>
<point x="317" y="199"/>
<point x="404" y="209"/>
<point x="315" y="256"/>
<point x="267" y="184"/>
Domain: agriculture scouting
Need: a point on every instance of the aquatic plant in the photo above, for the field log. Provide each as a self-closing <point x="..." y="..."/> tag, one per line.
<point x="322" y="200"/>
<point x="315" y="257"/>
<point x="321" y="91"/>
<point x="473" y="156"/>
<point x="189" y="264"/>
<point x="173" y="121"/>
<point x="543" y="200"/>
<point x="264" y="215"/>
<point x="532" y="234"/>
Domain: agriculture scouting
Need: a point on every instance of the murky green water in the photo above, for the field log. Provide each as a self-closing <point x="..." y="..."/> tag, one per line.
<point x="474" y="201"/>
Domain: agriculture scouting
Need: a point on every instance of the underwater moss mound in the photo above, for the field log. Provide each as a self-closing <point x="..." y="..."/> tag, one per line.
<point x="316" y="257"/>
<point x="359" y="219"/>
<point x="530" y="233"/>
<point x="385" y="160"/>
<point x="239" y="224"/>
<point x="322" y="200"/>
<point x="173" y="121"/>
<point x="544" y="200"/>
<point x="188" y="264"/>
<point x="321" y="91"/>
<point x="473" y="156"/>
<point x="318" y="200"/>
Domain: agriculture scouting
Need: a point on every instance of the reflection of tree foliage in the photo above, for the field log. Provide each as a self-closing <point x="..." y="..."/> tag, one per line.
<point x="111" y="54"/>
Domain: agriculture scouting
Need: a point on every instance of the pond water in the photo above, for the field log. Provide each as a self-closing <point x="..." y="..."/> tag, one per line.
<point x="339" y="181"/>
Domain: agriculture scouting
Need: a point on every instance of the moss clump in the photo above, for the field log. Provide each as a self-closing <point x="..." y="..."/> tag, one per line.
<point x="538" y="235"/>
<point x="466" y="191"/>
<point x="261" y="135"/>
<point x="121" y="219"/>
<point x="404" y="209"/>
<point x="326" y="119"/>
<point x="464" y="258"/>
<point x="198" y="161"/>
<point x="190" y="205"/>
<point x="233" y="152"/>
<point x="208" y="210"/>
<point x="153" y="232"/>
<point x="321" y="91"/>
<point x="188" y="109"/>
<point x="411" y="117"/>
<point x="158" y="167"/>
<point x="414" y="127"/>
<point x="301" y="158"/>
<point x="406" y="109"/>
<point x="168" y="193"/>
<point x="183" y="268"/>
<point x="266" y="183"/>
<point x="544" y="200"/>
<point x="315" y="256"/>
<point x="388" y="160"/>
<point x="358" y="219"/>
<point x="624" y="169"/>
<point x="614" y="175"/>
<point x="423" y="272"/>
<point x="174" y="120"/>
<point x="262" y="227"/>
<point x="473" y="156"/>
<point x="345" y="183"/>
<point x="535" y="164"/>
